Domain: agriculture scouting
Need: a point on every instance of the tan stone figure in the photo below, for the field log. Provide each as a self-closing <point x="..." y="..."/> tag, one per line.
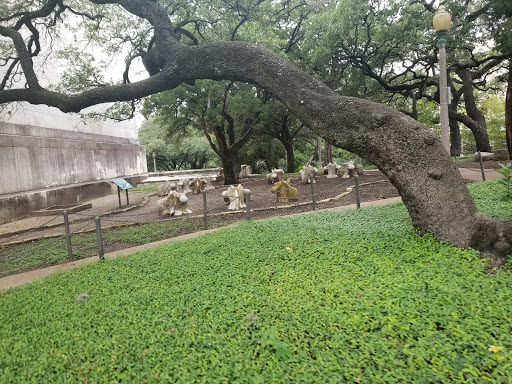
<point x="197" y="185"/>
<point x="285" y="191"/>
<point x="175" y="204"/>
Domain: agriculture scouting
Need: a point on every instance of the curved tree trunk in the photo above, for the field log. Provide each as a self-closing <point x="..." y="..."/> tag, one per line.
<point x="455" y="139"/>
<point x="406" y="151"/>
<point x="474" y="120"/>
<point x="508" y="111"/>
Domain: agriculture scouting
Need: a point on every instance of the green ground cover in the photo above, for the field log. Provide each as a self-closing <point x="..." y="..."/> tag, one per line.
<point x="52" y="251"/>
<point x="491" y="198"/>
<point x="329" y="297"/>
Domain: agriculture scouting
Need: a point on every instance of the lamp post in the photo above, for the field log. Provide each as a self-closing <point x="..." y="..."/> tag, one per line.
<point x="442" y="20"/>
<point x="154" y="161"/>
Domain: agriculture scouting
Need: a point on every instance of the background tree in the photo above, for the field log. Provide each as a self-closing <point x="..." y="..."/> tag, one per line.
<point x="225" y="113"/>
<point x="174" y="152"/>
<point x="393" y="46"/>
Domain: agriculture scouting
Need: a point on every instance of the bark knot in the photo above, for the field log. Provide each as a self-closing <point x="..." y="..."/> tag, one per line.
<point x="435" y="174"/>
<point x="429" y="140"/>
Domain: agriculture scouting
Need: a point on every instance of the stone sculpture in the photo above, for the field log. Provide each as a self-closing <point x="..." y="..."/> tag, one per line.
<point x="332" y="170"/>
<point x="197" y="185"/>
<point x="164" y="189"/>
<point x="351" y="169"/>
<point x="180" y="187"/>
<point x="307" y="173"/>
<point x="209" y="182"/>
<point x="235" y="196"/>
<point x="175" y="204"/>
<point x="285" y="192"/>
<point x="275" y="176"/>
<point x="186" y="186"/>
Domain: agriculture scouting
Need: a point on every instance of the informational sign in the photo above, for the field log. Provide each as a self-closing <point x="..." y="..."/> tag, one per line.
<point x="122" y="183"/>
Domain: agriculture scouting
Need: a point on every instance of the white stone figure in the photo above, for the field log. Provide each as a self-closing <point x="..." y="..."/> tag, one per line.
<point x="186" y="186"/>
<point x="275" y="176"/>
<point x="350" y="169"/>
<point x="332" y="170"/>
<point x="175" y="204"/>
<point x="235" y="196"/>
<point x="307" y="173"/>
<point x="209" y="180"/>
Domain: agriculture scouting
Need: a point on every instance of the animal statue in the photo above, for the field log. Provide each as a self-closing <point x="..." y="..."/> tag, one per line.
<point x="307" y="173"/>
<point x="164" y="189"/>
<point x="209" y="182"/>
<point x="285" y="192"/>
<point x="332" y="170"/>
<point x="180" y="187"/>
<point x="186" y="186"/>
<point x="175" y="204"/>
<point x="275" y="176"/>
<point x="235" y="196"/>
<point x="351" y="169"/>
<point x="197" y="185"/>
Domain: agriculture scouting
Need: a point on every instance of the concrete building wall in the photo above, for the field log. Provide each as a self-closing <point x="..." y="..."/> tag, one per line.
<point x="35" y="158"/>
<point x="49" y="117"/>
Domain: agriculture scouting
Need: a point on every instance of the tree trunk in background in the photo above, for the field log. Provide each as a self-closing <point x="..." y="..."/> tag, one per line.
<point x="231" y="169"/>
<point x="328" y="153"/>
<point x="319" y="147"/>
<point x="455" y="140"/>
<point x="290" y="159"/>
<point x="508" y="111"/>
<point x="474" y="119"/>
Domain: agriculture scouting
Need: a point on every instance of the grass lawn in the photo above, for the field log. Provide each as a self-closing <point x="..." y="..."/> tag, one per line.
<point x="50" y="251"/>
<point x="326" y="297"/>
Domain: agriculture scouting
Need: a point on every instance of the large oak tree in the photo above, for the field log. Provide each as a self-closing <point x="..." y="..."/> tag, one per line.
<point x="404" y="150"/>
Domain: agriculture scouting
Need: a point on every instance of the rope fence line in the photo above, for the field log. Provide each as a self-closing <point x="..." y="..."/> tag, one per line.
<point x="269" y="202"/>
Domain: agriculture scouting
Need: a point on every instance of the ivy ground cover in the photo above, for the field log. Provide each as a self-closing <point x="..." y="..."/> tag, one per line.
<point x="330" y="297"/>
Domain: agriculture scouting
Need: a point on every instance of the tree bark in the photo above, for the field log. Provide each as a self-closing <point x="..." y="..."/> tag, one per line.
<point x="406" y="151"/>
<point x="231" y="169"/>
<point x="474" y="119"/>
<point x="508" y="111"/>
<point x="328" y="153"/>
<point x="455" y="139"/>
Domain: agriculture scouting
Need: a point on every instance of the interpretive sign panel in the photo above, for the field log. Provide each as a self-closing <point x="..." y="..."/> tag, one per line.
<point x="122" y="183"/>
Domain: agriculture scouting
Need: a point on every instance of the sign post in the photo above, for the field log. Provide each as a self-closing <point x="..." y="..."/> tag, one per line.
<point x="122" y="184"/>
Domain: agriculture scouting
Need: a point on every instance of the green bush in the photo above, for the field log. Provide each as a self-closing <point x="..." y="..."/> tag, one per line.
<point x="331" y="297"/>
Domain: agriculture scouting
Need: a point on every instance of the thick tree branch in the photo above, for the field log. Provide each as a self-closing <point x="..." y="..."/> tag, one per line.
<point x="24" y="56"/>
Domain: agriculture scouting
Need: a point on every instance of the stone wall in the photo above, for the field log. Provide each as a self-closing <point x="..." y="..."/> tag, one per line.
<point x="40" y="167"/>
<point x="34" y="158"/>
